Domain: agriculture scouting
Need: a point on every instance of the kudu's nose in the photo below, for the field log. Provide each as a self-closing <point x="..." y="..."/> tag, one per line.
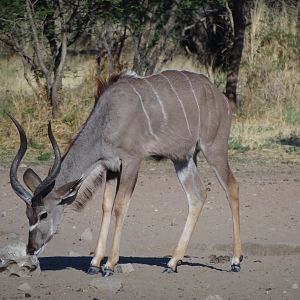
<point x="30" y="250"/>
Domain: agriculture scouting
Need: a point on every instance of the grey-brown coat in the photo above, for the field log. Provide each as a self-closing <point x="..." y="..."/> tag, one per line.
<point x="173" y="114"/>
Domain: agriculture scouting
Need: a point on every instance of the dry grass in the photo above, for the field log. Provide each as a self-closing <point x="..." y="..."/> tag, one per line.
<point x="269" y="90"/>
<point x="270" y="83"/>
<point x="34" y="116"/>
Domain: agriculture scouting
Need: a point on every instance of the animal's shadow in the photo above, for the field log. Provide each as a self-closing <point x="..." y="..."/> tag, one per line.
<point x="81" y="263"/>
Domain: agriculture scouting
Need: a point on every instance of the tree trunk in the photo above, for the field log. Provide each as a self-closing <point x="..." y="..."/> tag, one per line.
<point x="56" y="100"/>
<point x="236" y="51"/>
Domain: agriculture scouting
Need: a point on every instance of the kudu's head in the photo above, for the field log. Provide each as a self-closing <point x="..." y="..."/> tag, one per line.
<point x="45" y="202"/>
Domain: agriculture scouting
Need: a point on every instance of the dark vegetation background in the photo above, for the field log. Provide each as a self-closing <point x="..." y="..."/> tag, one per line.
<point x="51" y="51"/>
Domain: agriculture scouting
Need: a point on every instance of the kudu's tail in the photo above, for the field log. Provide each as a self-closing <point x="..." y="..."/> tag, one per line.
<point x="93" y="181"/>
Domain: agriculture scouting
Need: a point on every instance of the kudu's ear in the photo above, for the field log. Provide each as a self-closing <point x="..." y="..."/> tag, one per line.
<point x="31" y="179"/>
<point x="67" y="193"/>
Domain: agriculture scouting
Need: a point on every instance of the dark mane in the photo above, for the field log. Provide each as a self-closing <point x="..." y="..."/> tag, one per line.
<point x="104" y="83"/>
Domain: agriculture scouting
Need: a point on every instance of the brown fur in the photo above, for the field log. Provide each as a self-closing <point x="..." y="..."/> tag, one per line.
<point x="104" y="83"/>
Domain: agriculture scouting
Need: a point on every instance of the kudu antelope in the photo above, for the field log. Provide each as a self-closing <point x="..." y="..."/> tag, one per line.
<point x="174" y="114"/>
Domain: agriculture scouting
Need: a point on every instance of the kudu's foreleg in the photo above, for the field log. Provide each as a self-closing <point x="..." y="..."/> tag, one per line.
<point x="196" y="194"/>
<point x="128" y="179"/>
<point x="107" y="205"/>
<point x="219" y="162"/>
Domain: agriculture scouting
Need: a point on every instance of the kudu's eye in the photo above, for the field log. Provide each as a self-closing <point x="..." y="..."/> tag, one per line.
<point x="43" y="215"/>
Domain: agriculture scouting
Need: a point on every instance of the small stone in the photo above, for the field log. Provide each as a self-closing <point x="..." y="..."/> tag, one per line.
<point x="294" y="286"/>
<point x="24" y="287"/>
<point x="124" y="268"/>
<point x="15" y="250"/>
<point x="87" y="235"/>
<point x="173" y="223"/>
<point x="27" y="295"/>
<point x="213" y="259"/>
<point x="73" y="254"/>
<point x="268" y="290"/>
<point x="110" y="284"/>
<point x="214" y="297"/>
<point x="15" y="262"/>
<point x="4" y="213"/>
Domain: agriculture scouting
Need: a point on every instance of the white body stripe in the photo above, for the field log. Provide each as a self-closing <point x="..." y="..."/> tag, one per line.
<point x="195" y="97"/>
<point x="145" y="112"/>
<point x="221" y="181"/>
<point x="181" y="104"/>
<point x="158" y="99"/>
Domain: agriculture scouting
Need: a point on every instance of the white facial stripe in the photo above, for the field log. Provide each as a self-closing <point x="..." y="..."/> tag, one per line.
<point x="52" y="227"/>
<point x="189" y="81"/>
<point x="145" y="112"/>
<point x="158" y="99"/>
<point x="180" y="102"/>
<point x="40" y="250"/>
<point x="32" y="227"/>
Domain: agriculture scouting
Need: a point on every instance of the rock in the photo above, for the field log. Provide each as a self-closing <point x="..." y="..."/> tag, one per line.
<point x="24" y="287"/>
<point x="124" y="268"/>
<point x="110" y="284"/>
<point x="214" y="259"/>
<point x="73" y="253"/>
<point x="13" y="251"/>
<point x="294" y="286"/>
<point x="87" y="235"/>
<point x="215" y="297"/>
<point x="4" y="213"/>
<point x="15" y="262"/>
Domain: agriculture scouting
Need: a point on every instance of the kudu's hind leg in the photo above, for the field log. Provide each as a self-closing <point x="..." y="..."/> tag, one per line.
<point x="219" y="162"/>
<point x="128" y="179"/>
<point x="107" y="205"/>
<point x="196" y="194"/>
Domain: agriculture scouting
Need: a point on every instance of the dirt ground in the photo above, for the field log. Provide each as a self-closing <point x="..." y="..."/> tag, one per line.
<point x="270" y="226"/>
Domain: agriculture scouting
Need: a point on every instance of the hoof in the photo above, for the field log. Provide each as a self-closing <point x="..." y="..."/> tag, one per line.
<point x="169" y="270"/>
<point x="235" y="268"/>
<point x="107" y="272"/>
<point x="93" y="270"/>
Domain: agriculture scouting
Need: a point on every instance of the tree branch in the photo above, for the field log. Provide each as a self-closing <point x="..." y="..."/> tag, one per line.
<point x="35" y="38"/>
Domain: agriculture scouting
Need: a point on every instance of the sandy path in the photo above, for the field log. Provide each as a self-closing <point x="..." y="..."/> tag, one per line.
<point x="270" y="210"/>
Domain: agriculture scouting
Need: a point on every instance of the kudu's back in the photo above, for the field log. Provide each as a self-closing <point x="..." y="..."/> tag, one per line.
<point x="165" y="114"/>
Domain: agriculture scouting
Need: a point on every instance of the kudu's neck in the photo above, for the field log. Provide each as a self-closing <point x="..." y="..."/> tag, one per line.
<point x="83" y="154"/>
